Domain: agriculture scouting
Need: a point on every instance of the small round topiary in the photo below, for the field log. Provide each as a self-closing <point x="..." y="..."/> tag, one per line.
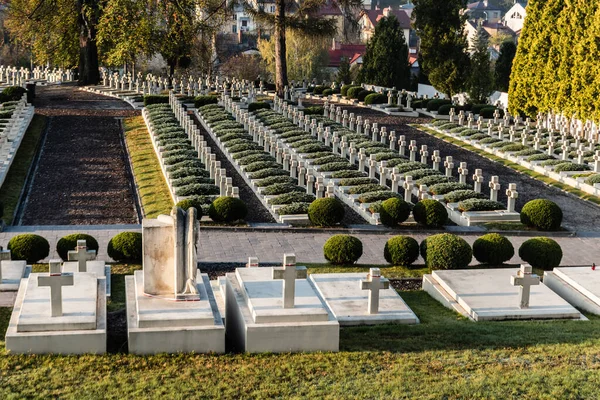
<point x="126" y="247"/>
<point x="401" y="250"/>
<point x="342" y="249"/>
<point x="430" y="213"/>
<point x="227" y="209"/>
<point x="446" y="251"/>
<point x="327" y="211"/>
<point x="493" y="249"/>
<point x="187" y="203"/>
<point x="542" y="214"/>
<point x="396" y="211"/>
<point x="541" y="252"/>
<point x="29" y="247"/>
<point x="69" y="242"/>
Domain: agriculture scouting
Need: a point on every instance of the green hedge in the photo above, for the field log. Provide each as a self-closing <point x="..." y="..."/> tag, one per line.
<point x="401" y="250"/>
<point x="155" y="99"/>
<point x="541" y="252"/>
<point x="430" y="213"/>
<point x="227" y="209"/>
<point x="327" y="211"/>
<point x="542" y="214"/>
<point x="259" y="105"/>
<point x="201" y="101"/>
<point x="342" y="249"/>
<point x="446" y="251"/>
<point x="126" y="247"/>
<point x="376" y="98"/>
<point x="29" y="247"/>
<point x="493" y="249"/>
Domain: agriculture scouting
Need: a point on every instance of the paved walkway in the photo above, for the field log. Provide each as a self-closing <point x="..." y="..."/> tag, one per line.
<point x="237" y="246"/>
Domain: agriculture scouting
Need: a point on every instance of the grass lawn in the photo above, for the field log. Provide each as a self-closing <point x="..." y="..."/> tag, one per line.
<point x="444" y="357"/>
<point x="17" y="174"/>
<point x="154" y="193"/>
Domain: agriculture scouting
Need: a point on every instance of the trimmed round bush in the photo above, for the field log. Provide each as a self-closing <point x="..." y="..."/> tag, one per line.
<point x="541" y="252"/>
<point x="188" y="203"/>
<point x="542" y="214"/>
<point x="327" y="211"/>
<point x="394" y="211"/>
<point x="401" y="250"/>
<point x="353" y="92"/>
<point x="493" y="249"/>
<point x="342" y="249"/>
<point x="376" y="98"/>
<point x="227" y="209"/>
<point x="363" y="94"/>
<point x="446" y="251"/>
<point x="126" y="247"/>
<point x="69" y="242"/>
<point x="29" y="247"/>
<point x="480" y="205"/>
<point x="430" y="213"/>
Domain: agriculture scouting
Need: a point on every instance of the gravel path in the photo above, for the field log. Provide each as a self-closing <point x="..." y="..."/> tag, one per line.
<point x="579" y="215"/>
<point x="81" y="176"/>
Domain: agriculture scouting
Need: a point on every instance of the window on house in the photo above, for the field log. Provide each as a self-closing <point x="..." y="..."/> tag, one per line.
<point x="234" y="28"/>
<point x="244" y="22"/>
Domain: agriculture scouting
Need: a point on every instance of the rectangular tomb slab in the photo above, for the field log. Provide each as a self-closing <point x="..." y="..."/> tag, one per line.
<point x="580" y="286"/>
<point x="178" y="335"/>
<point x="12" y="273"/>
<point x="264" y="297"/>
<point x="78" y="305"/>
<point x="100" y="268"/>
<point x="157" y="312"/>
<point x="349" y="303"/>
<point x="487" y="294"/>
<point x="246" y="335"/>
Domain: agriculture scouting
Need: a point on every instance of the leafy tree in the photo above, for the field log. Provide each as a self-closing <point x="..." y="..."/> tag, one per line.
<point x="385" y="62"/>
<point x="443" y="57"/>
<point x="306" y="59"/>
<point x="343" y="74"/>
<point x="299" y="17"/>
<point x="480" y="79"/>
<point x="508" y="50"/>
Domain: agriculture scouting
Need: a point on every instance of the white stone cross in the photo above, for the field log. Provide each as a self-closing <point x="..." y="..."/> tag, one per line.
<point x="512" y="195"/>
<point x="448" y="164"/>
<point x="477" y="180"/>
<point x="54" y="266"/>
<point x="289" y="273"/>
<point x="494" y="188"/>
<point x="373" y="283"/>
<point x="597" y="161"/>
<point x="463" y="171"/>
<point x="252" y="262"/>
<point x="524" y="279"/>
<point x="55" y="282"/>
<point x="82" y="255"/>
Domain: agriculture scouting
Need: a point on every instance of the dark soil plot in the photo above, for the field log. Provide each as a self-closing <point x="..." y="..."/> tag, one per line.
<point x="82" y="175"/>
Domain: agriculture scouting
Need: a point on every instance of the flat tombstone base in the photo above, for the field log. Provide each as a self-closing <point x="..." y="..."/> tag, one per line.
<point x="100" y="268"/>
<point x="173" y="339"/>
<point x="349" y="303"/>
<point x="487" y="295"/>
<point x="64" y="342"/>
<point x="12" y="273"/>
<point x="580" y="286"/>
<point x="244" y="335"/>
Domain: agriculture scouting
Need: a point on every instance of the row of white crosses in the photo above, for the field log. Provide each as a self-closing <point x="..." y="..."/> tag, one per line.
<point x="19" y="76"/>
<point x="380" y="134"/>
<point x="205" y="154"/>
<point x="56" y="279"/>
<point x="289" y="272"/>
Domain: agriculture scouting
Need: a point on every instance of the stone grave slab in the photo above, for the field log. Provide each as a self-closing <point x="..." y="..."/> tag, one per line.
<point x="487" y="294"/>
<point x="580" y="286"/>
<point x="12" y="273"/>
<point x="80" y="329"/>
<point x="257" y="321"/>
<point x="100" y="268"/>
<point x="350" y="304"/>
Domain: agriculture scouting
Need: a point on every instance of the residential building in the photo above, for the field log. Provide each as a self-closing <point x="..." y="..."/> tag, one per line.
<point x="515" y="17"/>
<point x="370" y="18"/>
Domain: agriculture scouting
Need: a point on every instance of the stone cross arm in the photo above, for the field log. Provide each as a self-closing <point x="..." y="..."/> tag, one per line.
<point x="56" y="282"/>
<point x="524" y="279"/>
<point x="81" y="254"/>
<point x="373" y="283"/>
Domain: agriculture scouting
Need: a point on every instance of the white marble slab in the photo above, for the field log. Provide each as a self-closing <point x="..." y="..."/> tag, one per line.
<point x="264" y="297"/>
<point x="78" y="305"/>
<point x="349" y="303"/>
<point x="12" y="273"/>
<point x="487" y="294"/>
<point x="580" y="286"/>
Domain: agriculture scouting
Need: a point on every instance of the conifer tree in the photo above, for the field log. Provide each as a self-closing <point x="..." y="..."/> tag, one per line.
<point x="503" y="66"/>
<point x="480" y="79"/>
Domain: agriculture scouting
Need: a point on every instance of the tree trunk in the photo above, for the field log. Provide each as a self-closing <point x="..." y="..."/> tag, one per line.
<point x="281" y="80"/>
<point x="89" y="74"/>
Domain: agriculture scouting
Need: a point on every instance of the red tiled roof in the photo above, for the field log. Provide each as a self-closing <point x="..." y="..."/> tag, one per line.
<point x="346" y="50"/>
<point x="401" y="15"/>
<point x="331" y="8"/>
<point x="355" y="58"/>
<point x="412" y="59"/>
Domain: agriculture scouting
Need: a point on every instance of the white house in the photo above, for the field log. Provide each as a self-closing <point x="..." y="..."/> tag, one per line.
<point x="515" y="17"/>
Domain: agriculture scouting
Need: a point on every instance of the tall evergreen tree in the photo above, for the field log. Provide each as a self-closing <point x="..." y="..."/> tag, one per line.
<point x="504" y="63"/>
<point x="480" y="80"/>
<point x="443" y="57"/>
<point x="343" y="74"/>
<point x="385" y="62"/>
